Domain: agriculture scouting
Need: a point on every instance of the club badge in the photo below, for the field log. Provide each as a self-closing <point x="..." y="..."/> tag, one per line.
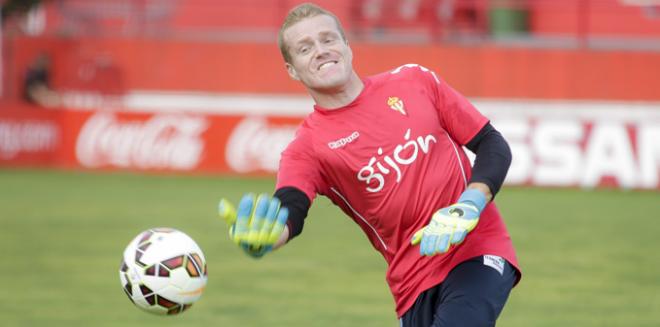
<point x="397" y="105"/>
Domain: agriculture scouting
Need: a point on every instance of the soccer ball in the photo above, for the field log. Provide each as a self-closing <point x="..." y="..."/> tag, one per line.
<point x="163" y="271"/>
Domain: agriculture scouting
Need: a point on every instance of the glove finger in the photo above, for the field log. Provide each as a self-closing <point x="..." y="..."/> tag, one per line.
<point x="422" y="245"/>
<point x="269" y="221"/>
<point x="459" y="236"/>
<point x="227" y="211"/>
<point x="435" y="244"/>
<point x="471" y="224"/>
<point x="282" y="216"/>
<point x="243" y="217"/>
<point x="231" y="234"/>
<point x="245" y="206"/>
<point x="278" y="227"/>
<point x="250" y="250"/>
<point x="426" y="245"/>
<point x="443" y="244"/>
<point x="430" y="248"/>
<point x="259" y="252"/>
<point x="417" y="237"/>
<point x="258" y="217"/>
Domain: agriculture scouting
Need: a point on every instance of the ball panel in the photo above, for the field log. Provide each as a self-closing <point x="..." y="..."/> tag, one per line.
<point x="145" y="236"/>
<point x="151" y="299"/>
<point x="191" y="268"/>
<point x="150" y="271"/>
<point x="123" y="267"/>
<point x="145" y="290"/>
<point x="162" y="271"/>
<point x="173" y="263"/>
<point x="163" y="302"/>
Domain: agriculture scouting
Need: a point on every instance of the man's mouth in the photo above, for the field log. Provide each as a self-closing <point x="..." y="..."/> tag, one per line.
<point x="326" y="65"/>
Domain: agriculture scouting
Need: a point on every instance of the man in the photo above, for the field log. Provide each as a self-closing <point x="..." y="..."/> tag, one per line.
<point x="387" y="150"/>
<point x="37" y="89"/>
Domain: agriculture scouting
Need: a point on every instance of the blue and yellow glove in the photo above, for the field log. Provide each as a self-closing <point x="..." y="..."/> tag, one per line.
<point x="450" y="225"/>
<point x="255" y="227"/>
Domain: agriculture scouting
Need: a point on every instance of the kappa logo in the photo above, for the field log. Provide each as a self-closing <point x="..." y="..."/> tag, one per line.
<point x="396" y="104"/>
<point x="343" y="141"/>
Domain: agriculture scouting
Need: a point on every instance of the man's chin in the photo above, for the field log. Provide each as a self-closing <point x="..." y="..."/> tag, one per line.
<point x="328" y="88"/>
<point x="329" y="83"/>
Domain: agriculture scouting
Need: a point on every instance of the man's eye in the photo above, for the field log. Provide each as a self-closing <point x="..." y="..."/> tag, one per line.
<point x="304" y="50"/>
<point x="328" y="40"/>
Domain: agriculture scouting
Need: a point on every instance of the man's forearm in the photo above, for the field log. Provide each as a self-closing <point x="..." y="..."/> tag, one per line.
<point x="492" y="161"/>
<point x="298" y="204"/>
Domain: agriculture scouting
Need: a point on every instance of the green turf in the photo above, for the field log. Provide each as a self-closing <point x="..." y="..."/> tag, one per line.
<point x="589" y="257"/>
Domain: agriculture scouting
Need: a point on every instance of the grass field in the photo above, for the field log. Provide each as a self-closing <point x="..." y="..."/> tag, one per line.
<point x="590" y="258"/>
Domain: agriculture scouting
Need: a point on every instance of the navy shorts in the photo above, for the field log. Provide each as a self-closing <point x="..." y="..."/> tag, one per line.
<point x="473" y="294"/>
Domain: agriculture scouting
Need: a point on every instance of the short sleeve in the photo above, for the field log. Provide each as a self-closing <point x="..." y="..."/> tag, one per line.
<point x="457" y="115"/>
<point x="299" y="167"/>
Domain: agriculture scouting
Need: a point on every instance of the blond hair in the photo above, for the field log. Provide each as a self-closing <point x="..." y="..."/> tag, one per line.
<point x="297" y="14"/>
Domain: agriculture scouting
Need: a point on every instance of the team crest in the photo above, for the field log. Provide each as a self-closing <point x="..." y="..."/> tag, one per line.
<point x="397" y="105"/>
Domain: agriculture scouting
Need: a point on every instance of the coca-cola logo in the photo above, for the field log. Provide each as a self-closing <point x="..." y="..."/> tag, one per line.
<point x="255" y="145"/>
<point x="161" y="142"/>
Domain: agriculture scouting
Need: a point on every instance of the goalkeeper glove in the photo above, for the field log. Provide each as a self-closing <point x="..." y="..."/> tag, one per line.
<point x="450" y="225"/>
<point x="254" y="227"/>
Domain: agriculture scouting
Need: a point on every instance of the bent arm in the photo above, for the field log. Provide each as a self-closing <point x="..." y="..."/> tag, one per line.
<point x="491" y="163"/>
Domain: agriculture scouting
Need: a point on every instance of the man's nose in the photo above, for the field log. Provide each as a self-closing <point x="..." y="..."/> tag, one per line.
<point x="321" y="49"/>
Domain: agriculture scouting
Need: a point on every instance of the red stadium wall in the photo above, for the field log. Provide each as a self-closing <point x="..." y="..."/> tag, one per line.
<point x="115" y="65"/>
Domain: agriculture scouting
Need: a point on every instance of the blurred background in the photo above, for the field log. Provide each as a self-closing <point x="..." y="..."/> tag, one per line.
<point x="117" y="116"/>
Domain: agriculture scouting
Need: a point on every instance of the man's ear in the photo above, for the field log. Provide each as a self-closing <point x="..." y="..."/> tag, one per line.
<point x="292" y="71"/>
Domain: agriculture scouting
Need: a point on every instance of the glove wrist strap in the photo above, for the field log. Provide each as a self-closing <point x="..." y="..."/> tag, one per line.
<point x="473" y="197"/>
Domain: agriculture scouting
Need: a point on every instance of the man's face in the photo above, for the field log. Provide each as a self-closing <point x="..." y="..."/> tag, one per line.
<point x="320" y="58"/>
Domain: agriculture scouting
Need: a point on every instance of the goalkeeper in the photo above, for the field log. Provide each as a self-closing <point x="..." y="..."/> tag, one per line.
<point x="387" y="149"/>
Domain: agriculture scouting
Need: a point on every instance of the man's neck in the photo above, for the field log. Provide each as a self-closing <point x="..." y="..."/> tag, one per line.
<point x="334" y="99"/>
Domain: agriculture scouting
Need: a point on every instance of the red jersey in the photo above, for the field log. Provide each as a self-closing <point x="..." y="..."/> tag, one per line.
<point x="389" y="160"/>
